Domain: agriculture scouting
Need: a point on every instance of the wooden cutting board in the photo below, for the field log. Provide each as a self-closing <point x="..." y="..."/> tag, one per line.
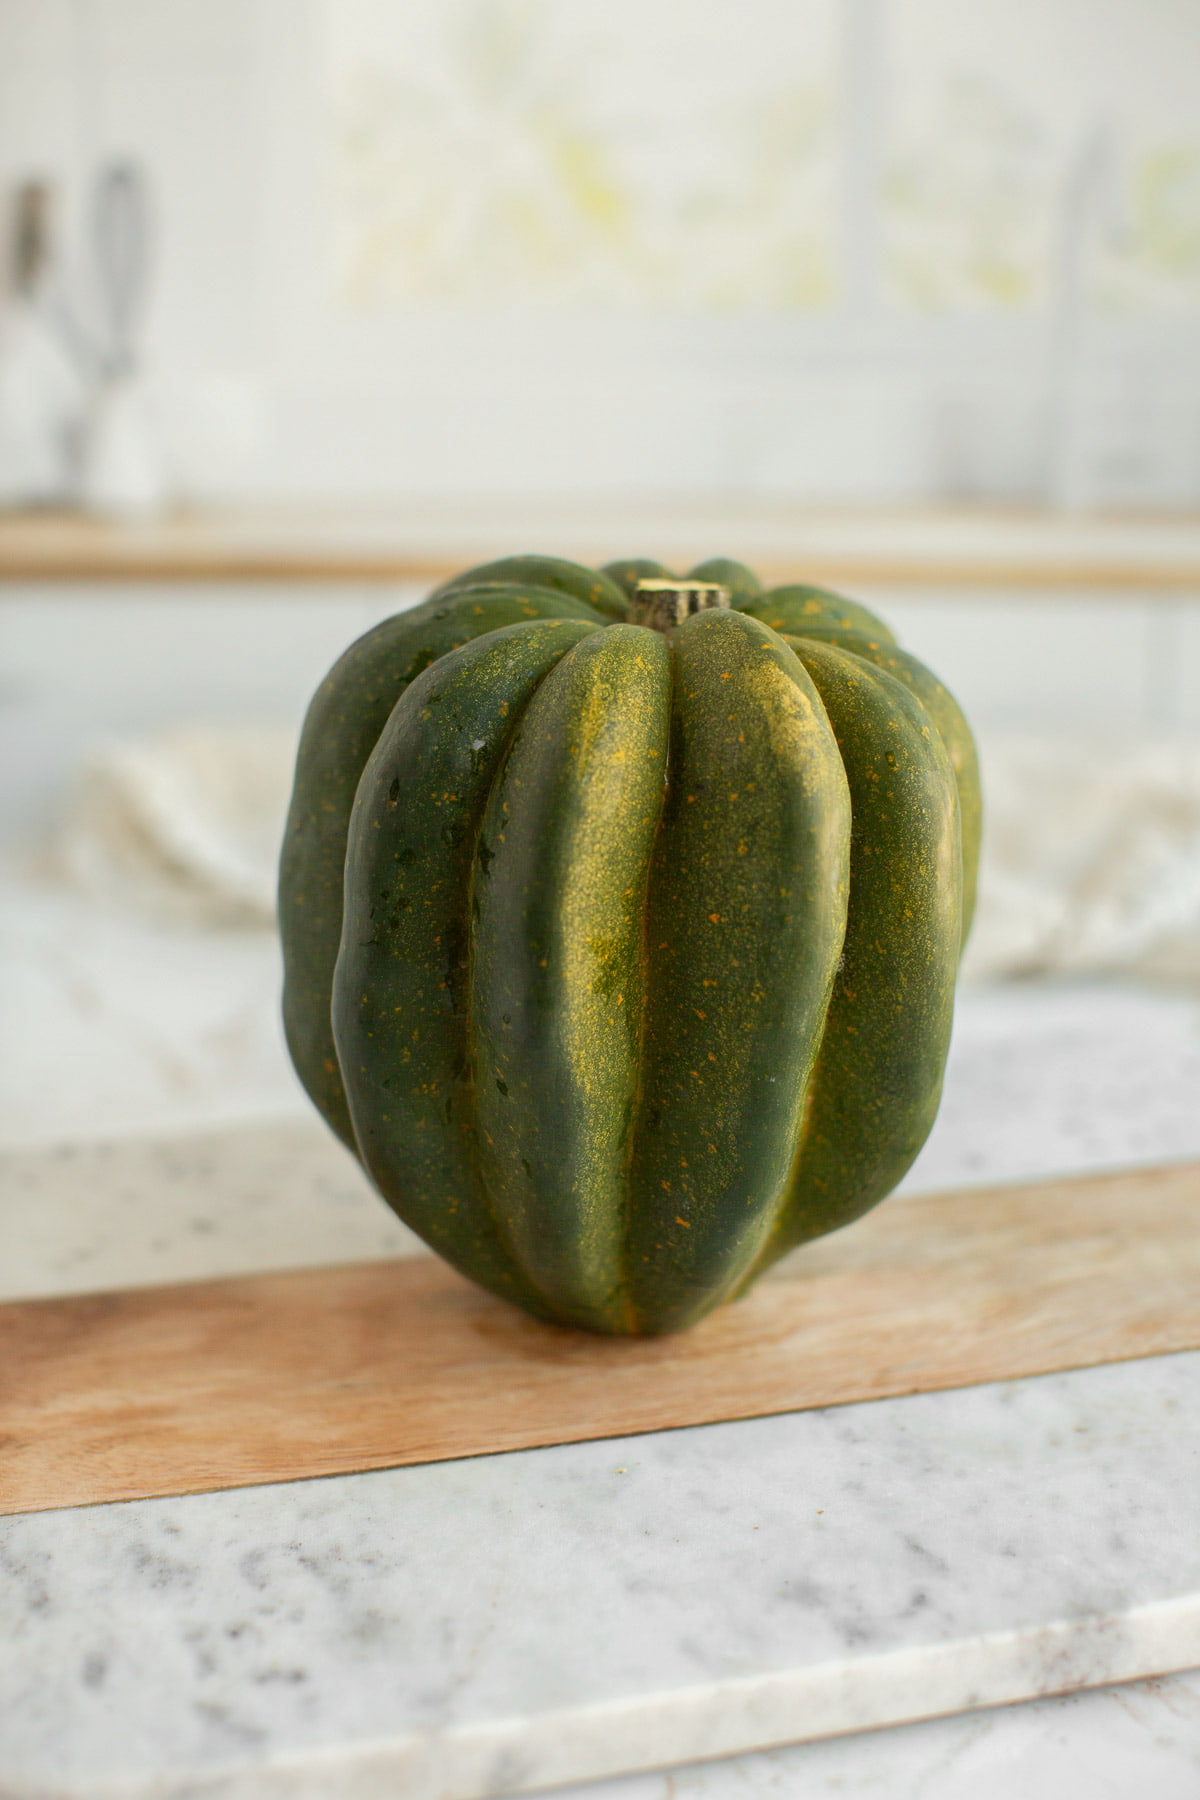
<point x="223" y="1384"/>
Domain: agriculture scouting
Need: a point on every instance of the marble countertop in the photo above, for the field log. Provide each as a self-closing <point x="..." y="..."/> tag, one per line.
<point x="508" y="1622"/>
<point x="517" y="1621"/>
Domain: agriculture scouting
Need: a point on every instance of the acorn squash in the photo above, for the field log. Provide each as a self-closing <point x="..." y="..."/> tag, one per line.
<point x="621" y="914"/>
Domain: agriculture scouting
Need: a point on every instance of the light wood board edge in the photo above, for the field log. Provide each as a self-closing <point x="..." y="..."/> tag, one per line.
<point x="177" y="1390"/>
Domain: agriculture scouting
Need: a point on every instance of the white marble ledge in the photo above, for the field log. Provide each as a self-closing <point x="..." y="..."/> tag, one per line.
<point x="1136" y="1742"/>
<point x="188" y="1206"/>
<point x="508" y="1623"/>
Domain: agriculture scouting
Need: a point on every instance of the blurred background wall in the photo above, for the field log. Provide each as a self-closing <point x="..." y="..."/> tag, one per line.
<point x="900" y="294"/>
<point x="849" y="250"/>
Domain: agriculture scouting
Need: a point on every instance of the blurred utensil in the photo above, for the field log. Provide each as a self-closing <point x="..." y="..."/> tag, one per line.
<point x="40" y="395"/>
<point x="122" y="472"/>
<point x="120" y="228"/>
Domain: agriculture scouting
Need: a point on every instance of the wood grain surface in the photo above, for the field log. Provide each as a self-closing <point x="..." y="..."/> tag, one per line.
<point x="223" y="1384"/>
<point x="990" y="548"/>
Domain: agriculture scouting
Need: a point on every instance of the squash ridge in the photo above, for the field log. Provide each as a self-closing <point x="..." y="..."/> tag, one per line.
<point x="919" y="995"/>
<point x="400" y="1029"/>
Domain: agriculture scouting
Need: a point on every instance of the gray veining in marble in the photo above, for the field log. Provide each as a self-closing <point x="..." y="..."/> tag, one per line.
<point x="514" y="1621"/>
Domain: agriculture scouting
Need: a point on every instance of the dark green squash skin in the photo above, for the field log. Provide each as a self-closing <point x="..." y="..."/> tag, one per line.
<point x="587" y="1006"/>
<point x="555" y="573"/>
<point x="559" y="979"/>
<point x="747" y="911"/>
<point x="795" y="610"/>
<point x="953" y="730"/>
<point x="402" y="1000"/>
<point x="745" y="589"/>
<point x="632" y="569"/>
<point x="345" y="718"/>
<point x="878" y="1078"/>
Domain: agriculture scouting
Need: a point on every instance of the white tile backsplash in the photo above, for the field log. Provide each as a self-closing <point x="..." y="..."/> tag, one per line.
<point x="77" y="664"/>
<point x="163" y="36"/>
<point x="38" y="94"/>
<point x="270" y="383"/>
<point x="1185" y="642"/>
<point x="1041" y="661"/>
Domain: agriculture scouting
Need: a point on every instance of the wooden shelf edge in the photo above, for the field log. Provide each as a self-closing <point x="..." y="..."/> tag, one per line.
<point x="286" y="568"/>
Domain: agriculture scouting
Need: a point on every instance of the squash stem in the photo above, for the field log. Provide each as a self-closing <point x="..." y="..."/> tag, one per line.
<point x="662" y="605"/>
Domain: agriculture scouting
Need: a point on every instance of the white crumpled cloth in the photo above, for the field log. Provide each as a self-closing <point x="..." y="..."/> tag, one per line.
<point x="1091" y="858"/>
<point x="183" y="826"/>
